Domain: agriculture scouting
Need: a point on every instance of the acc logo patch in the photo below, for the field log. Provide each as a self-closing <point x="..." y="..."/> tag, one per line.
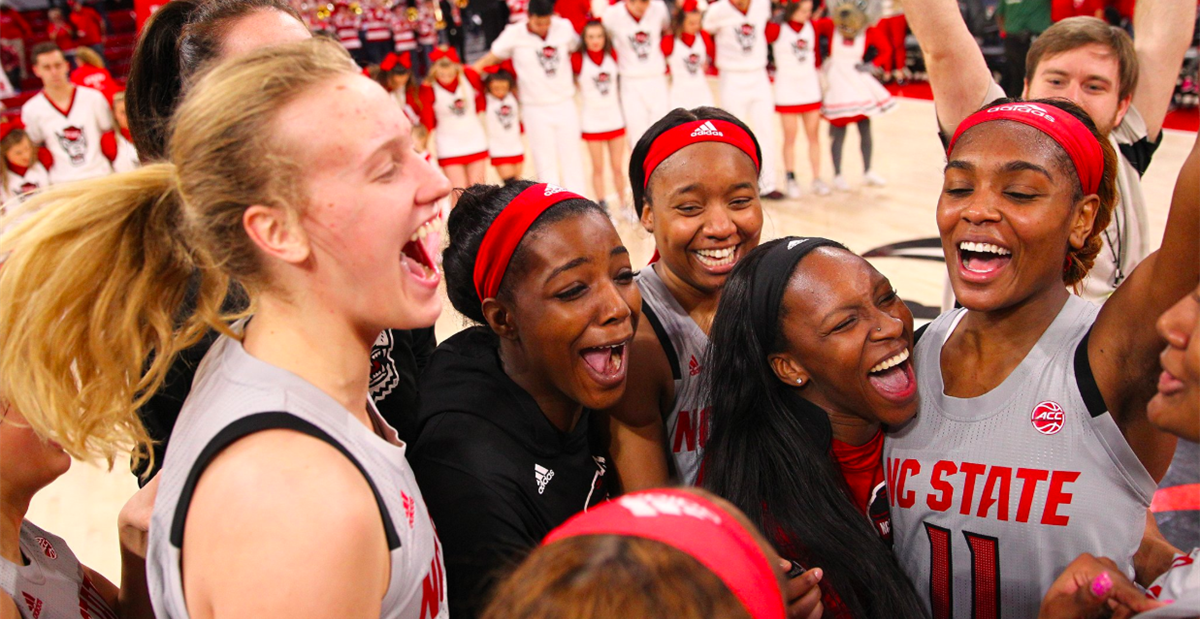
<point x="1048" y="417"/>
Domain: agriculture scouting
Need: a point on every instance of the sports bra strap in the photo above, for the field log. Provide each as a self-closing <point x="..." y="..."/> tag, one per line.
<point x="1088" y="389"/>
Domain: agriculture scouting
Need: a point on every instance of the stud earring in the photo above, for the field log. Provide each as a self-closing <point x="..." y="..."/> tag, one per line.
<point x="799" y="381"/>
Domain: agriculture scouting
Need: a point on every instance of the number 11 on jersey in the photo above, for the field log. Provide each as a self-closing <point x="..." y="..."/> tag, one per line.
<point x="985" y="574"/>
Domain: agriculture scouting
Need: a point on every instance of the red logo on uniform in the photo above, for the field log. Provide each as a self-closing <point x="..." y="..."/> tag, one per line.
<point x="46" y="547"/>
<point x="745" y="37"/>
<point x="410" y="508"/>
<point x="459" y="107"/>
<point x="694" y="366"/>
<point x="640" y="41"/>
<point x="692" y="63"/>
<point x="1048" y="417"/>
<point x="34" y="604"/>
<point x="549" y="60"/>
<point x="28" y="187"/>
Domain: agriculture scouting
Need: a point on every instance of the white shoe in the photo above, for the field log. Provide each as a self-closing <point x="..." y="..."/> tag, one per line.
<point x="873" y="180"/>
<point x="820" y="188"/>
<point x="793" y="188"/>
<point x="840" y="184"/>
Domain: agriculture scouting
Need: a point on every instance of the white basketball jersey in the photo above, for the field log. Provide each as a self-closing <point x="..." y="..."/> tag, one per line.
<point x="72" y="135"/>
<point x="598" y="88"/>
<point x="992" y="496"/>
<point x="638" y="42"/>
<point x="53" y="585"/>
<point x="235" y="394"/>
<point x="684" y="344"/>
<point x="459" y="132"/>
<point x="689" y="85"/>
<point x="504" y="127"/>
<point x="796" y="80"/>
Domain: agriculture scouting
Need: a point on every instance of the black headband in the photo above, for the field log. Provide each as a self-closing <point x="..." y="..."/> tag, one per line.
<point x="771" y="278"/>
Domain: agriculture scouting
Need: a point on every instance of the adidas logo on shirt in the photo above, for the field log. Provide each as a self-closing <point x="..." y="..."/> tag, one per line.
<point x="542" y="476"/>
<point x="707" y="129"/>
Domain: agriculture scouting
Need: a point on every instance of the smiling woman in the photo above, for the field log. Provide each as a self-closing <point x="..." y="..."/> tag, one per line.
<point x="1032" y="399"/>
<point x="503" y="449"/>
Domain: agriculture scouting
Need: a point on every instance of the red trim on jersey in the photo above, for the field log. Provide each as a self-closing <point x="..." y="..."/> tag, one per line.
<point x="798" y="109"/>
<point x="70" y="105"/>
<point x="462" y="159"/>
<point x="605" y="136"/>
<point x="636" y="19"/>
<point x="16" y="169"/>
<point x="796" y="26"/>
<point x="1176" y="498"/>
<point x="508" y="160"/>
<point x="108" y="146"/>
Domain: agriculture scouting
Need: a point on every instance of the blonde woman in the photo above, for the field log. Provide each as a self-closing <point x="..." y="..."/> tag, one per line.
<point x="451" y="100"/>
<point x="284" y="492"/>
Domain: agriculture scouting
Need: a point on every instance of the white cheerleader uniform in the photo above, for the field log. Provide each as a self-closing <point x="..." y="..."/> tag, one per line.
<point x="120" y="151"/>
<point x="504" y="130"/>
<point x="797" y="85"/>
<point x="851" y="94"/>
<point x="601" y="119"/>
<point x="21" y="181"/>
<point x="454" y="111"/>
<point x="687" y="57"/>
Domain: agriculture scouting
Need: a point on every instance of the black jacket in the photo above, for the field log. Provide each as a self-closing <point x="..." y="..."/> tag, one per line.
<point x="496" y="474"/>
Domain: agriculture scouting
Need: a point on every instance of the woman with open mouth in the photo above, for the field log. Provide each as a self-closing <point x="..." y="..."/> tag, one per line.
<point x="1032" y="443"/>
<point x="503" y="451"/>
<point x="809" y="362"/>
<point x="281" y="469"/>
<point x="695" y="187"/>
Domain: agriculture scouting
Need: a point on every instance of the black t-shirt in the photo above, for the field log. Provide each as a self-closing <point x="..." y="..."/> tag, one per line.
<point x="396" y="361"/>
<point x="496" y="475"/>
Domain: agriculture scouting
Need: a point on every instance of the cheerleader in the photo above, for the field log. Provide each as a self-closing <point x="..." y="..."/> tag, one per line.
<point x="688" y="53"/>
<point x="395" y="74"/>
<point x="117" y="145"/>
<point x="451" y="99"/>
<point x="504" y="129"/>
<point x="601" y="120"/>
<point x="635" y="30"/>
<point x="853" y="95"/>
<point x="19" y="167"/>
<point x="797" y="89"/>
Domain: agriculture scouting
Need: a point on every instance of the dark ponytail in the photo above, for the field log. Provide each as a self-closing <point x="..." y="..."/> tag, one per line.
<point x="178" y="40"/>
<point x="768" y="453"/>
<point x="674" y="118"/>
<point x="477" y="207"/>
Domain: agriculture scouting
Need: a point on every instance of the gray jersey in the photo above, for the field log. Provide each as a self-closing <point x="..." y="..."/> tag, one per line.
<point x="992" y="496"/>
<point x="684" y="344"/>
<point x="53" y="585"/>
<point x="234" y="395"/>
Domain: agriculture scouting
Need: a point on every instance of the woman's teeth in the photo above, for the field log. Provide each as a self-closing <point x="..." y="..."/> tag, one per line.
<point x="887" y="364"/>
<point x="983" y="248"/>
<point x="425" y="230"/>
<point x="716" y="257"/>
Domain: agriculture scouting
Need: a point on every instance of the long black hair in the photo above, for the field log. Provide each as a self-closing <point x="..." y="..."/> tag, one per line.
<point x="179" y="39"/>
<point x="477" y="207"/>
<point x="768" y="453"/>
<point x="674" y="118"/>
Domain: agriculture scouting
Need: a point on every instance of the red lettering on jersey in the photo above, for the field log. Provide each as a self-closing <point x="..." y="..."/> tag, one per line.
<point x="942" y="468"/>
<point x="1181" y="561"/>
<point x="1027" y="489"/>
<point x="1056" y="497"/>
<point x="433" y="587"/>
<point x="689" y="426"/>
<point x="891" y="467"/>
<point x="908" y="467"/>
<point x="971" y="470"/>
<point x="995" y="492"/>
<point x="46" y="547"/>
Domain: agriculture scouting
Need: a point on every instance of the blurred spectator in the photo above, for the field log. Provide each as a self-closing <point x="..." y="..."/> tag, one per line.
<point x="377" y="33"/>
<point x="60" y="32"/>
<point x="347" y="22"/>
<point x="427" y="36"/>
<point x="20" y="170"/>
<point x="1062" y="9"/>
<point x="15" y="38"/>
<point x="89" y="26"/>
<point x="894" y="27"/>
<point x="1020" y="22"/>
<point x="116" y="144"/>
<point x="575" y="11"/>
<point x="91" y="72"/>
<point x="67" y="119"/>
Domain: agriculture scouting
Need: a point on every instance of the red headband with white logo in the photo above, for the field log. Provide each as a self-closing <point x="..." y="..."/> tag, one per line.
<point x="694" y="525"/>
<point x="504" y="235"/>
<point x="675" y="138"/>
<point x="1069" y="132"/>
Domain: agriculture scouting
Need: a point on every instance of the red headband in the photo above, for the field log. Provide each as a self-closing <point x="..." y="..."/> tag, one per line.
<point x="675" y="138"/>
<point x="699" y="528"/>
<point x="444" y="52"/>
<point x="1071" y="134"/>
<point x="505" y="234"/>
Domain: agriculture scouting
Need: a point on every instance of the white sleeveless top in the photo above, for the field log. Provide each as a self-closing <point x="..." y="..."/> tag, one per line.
<point x="459" y="132"/>
<point x="689" y="85"/>
<point x="53" y="585"/>
<point x="796" y="80"/>
<point x="234" y="395"/>
<point x="684" y="344"/>
<point x="504" y="127"/>
<point x="598" y="88"/>
<point x="992" y="496"/>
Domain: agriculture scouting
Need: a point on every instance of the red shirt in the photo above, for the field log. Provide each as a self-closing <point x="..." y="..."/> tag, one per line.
<point x="61" y="35"/>
<point x="575" y="11"/>
<point x="95" y="77"/>
<point x="862" y="468"/>
<point x="1062" y="9"/>
<point x="88" y="25"/>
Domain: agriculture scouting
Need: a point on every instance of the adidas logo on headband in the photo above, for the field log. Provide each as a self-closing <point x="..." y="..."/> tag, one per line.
<point x="553" y="189"/>
<point x="707" y="129"/>
<point x="1028" y="108"/>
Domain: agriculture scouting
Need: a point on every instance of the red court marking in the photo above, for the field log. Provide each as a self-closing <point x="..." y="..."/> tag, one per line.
<point x="1176" y="499"/>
